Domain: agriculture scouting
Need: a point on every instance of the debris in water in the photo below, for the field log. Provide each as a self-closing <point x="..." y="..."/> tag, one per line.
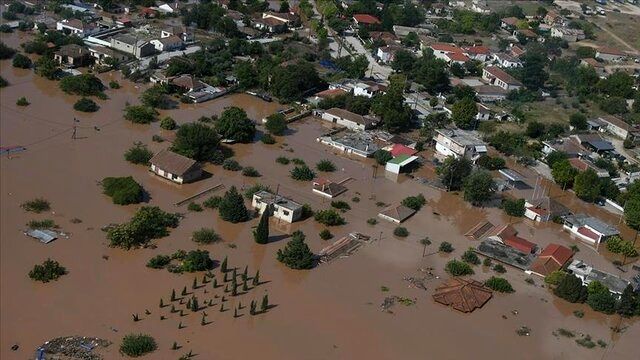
<point x="523" y="331"/>
<point x="74" y="347"/>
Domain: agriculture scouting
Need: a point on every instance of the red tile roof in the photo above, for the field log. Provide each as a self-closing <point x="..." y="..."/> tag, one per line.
<point x="445" y="47"/>
<point x="477" y="50"/>
<point x="329" y="93"/>
<point x="552" y="258"/>
<point x="399" y="149"/>
<point x="588" y="233"/>
<point x="463" y="295"/>
<point x="611" y="51"/>
<point x="578" y="164"/>
<point x="458" y="57"/>
<point x="520" y="244"/>
<point x="366" y="19"/>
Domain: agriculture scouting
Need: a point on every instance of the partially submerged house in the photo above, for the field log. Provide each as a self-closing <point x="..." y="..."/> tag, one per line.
<point x="588" y="228"/>
<point x="462" y="294"/>
<point x="280" y="207"/>
<point x="360" y="143"/>
<point x="508" y="235"/>
<point x="552" y="258"/>
<point x="396" y="213"/>
<point x="175" y="167"/>
<point x="497" y="250"/>
<point x="132" y="45"/>
<point x="327" y="188"/>
<point x="544" y="209"/>
<point x="588" y="274"/>
<point x="348" y="119"/>
<point x="72" y="55"/>
<point x="459" y="143"/>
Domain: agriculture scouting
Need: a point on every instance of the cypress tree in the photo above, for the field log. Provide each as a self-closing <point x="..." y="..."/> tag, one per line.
<point x="232" y="208"/>
<point x="226" y="288"/>
<point x="265" y="303"/>
<point x="235" y="313"/>
<point x="194" y="304"/>
<point x="627" y="304"/>
<point x="162" y="317"/>
<point x="252" y="307"/>
<point x="204" y="278"/>
<point x="161" y="303"/>
<point x="135" y="317"/>
<point x="235" y="273"/>
<point x="256" y="279"/>
<point x="194" y="285"/>
<point x="184" y="291"/>
<point x="571" y="289"/>
<point x="215" y="283"/>
<point x="174" y="346"/>
<point x="189" y="304"/>
<point x="296" y="254"/>
<point x="173" y="294"/>
<point x="261" y="232"/>
<point x="180" y="325"/>
<point x="147" y="312"/>
<point x="203" y="322"/>
<point x="245" y="273"/>
<point x="245" y="287"/>
<point x="223" y="266"/>
<point x="173" y="308"/>
<point x="221" y="307"/>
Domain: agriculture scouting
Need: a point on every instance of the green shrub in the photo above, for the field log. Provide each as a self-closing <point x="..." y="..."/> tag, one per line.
<point x="617" y="245"/>
<point x="167" y="123"/>
<point x="499" y="269"/>
<point x="445" y="247"/>
<point x="372" y="221"/>
<point x="197" y="260"/>
<point x="195" y="207"/>
<point x="6" y="52"/>
<point x="114" y="84"/>
<point x="471" y="257"/>
<point x="382" y="156"/>
<point x="231" y="165"/>
<point x="302" y="173"/>
<point x="37" y="205"/>
<point x="499" y="284"/>
<point x="458" y="268"/>
<point x="212" y="202"/>
<point x="135" y="345"/>
<point x="123" y="190"/>
<point x="23" y="102"/>
<point x="21" y="61"/>
<point x="250" y="172"/>
<point x="325" y="234"/>
<point x="283" y="160"/>
<point x="298" y="161"/>
<point x="140" y="114"/>
<point x="326" y="166"/>
<point x="555" y="277"/>
<point x="414" y="202"/>
<point x="159" y="261"/>
<point x="341" y="205"/>
<point x="267" y="139"/>
<point x="205" y="236"/>
<point x="42" y="224"/>
<point x="49" y="270"/>
<point x="85" y="85"/>
<point x="490" y="162"/>
<point x="329" y="218"/>
<point x="138" y="154"/>
<point x="86" y="105"/>
<point x="401" y="231"/>
<point x="514" y="207"/>
<point x="276" y="124"/>
<point x="3" y="82"/>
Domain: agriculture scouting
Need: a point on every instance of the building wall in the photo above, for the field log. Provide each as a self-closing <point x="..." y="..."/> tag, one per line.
<point x="279" y="212"/>
<point x="343" y="122"/>
<point x="358" y="91"/>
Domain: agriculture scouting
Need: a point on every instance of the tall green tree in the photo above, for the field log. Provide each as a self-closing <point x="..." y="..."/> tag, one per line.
<point x="232" y="208"/>
<point x="261" y="233"/>
<point x="628" y="300"/>
<point x="395" y="114"/>
<point x="585" y="187"/>
<point x="563" y="173"/>
<point x="453" y="171"/>
<point x="479" y="187"/>
<point x="234" y="124"/>
<point x="196" y="141"/>
<point x="600" y="298"/>
<point x="296" y="254"/>
<point x="571" y="289"/>
<point x="464" y="113"/>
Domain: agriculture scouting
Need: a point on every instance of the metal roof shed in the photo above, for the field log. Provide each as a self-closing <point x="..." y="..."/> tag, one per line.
<point x="45" y="236"/>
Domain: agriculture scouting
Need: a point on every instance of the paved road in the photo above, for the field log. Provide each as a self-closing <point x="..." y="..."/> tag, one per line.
<point x="165" y="56"/>
<point x="376" y="70"/>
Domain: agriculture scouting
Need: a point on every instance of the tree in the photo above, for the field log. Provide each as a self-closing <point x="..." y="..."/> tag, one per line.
<point x="395" y="114"/>
<point x="196" y="141"/>
<point x="431" y="73"/>
<point x="261" y="233"/>
<point x="632" y="211"/>
<point x="535" y="129"/>
<point x="458" y="268"/>
<point x="571" y="289"/>
<point x="617" y="245"/>
<point x="514" y="207"/>
<point x="135" y="345"/>
<point x="628" y="301"/>
<point x="234" y="124"/>
<point x="600" y="298"/>
<point x="205" y="236"/>
<point x="265" y="303"/>
<point x="555" y="157"/>
<point x="21" y="61"/>
<point x="123" y="190"/>
<point x="156" y="97"/>
<point x="296" y="254"/>
<point x="149" y="222"/>
<point x="445" y="247"/>
<point x="585" y="187"/>
<point x="85" y="85"/>
<point x="414" y="202"/>
<point x="464" y="113"/>
<point x="578" y="121"/>
<point x="479" y="187"/>
<point x="618" y="84"/>
<point x="232" y="208"/>
<point x="563" y="173"/>
<point x="491" y="162"/>
<point x="86" y="105"/>
<point x="470" y="257"/>
<point x="5" y="51"/>
<point x="453" y="172"/>
<point x="382" y="156"/>
<point x="302" y="173"/>
<point x="276" y="124"/>
<point x="499" y="284"/>
<point x="291" y="82"/>
<point x="49" y="270"/>
<point x="138" y="154"/>
<point x="555" y="277"/>
<point x="533" y="74"/>
<point x="329" y="218"/>
<point x="167" y="123"/>
<point x="140" y="114"/>
<point x="614" y="105"/>
<point x="197" y="260"/>
<point x="326" y="166"/>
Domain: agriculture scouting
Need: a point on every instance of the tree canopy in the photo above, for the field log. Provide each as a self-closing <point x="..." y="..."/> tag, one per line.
<point x="196" y="141"/>
<point x="453" y="172"/>
<point x="234" y="124"/>
<point x="296" y="254"/>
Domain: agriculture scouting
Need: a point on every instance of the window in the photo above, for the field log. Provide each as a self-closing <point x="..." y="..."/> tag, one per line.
<point x="285" y="212"/>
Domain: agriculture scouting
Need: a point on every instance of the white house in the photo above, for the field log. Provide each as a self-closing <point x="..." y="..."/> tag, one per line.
<point x="498" y="77"/>
<point x="169" y="8"/>
<point x="280" y="207"/>
<point x="617" y="126"/>
<point x="175" y="167"/>
<point x="476" y="52"/>
<point x="77" y="27"/>
<point x="588" y="274"/>
<point x="387" y="53"/>
<point x="588" y="228"/>
<point x="459" y="143"/>
<point x="441" y="50"/>
<point x="169" y="43"/>
<point x="348" y="119"/>
<point x="506" y="60"/>
<point x="368" y="89"/>
<point x="568" y="34"/>
<point x="484" y="113"/>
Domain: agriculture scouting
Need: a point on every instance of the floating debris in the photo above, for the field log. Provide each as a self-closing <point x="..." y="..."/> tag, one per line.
<point x="74" y="347"/>
<point x="523" y="331"/>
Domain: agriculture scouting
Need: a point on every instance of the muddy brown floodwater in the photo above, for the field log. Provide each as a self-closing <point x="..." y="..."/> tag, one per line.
<point x="331" y="312"/>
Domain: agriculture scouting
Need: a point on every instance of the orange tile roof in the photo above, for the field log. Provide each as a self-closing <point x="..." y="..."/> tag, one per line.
<point x="366" y="19"/>
<point x="463" y="295"/>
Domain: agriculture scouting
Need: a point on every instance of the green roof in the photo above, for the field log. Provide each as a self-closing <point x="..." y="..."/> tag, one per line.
<point x="399" y="159"/>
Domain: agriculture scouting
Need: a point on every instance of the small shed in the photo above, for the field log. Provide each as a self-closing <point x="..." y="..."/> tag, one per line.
<point x="175" y="167"/>
<point x="45" y="236"/>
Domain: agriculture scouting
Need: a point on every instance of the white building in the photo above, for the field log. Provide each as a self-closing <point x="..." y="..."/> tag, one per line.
<point x="506" y="60"/>
<point x="368" y="89"/>
<point x="348" y="119"/>
<point x="588" y="274"/>
<point x="77" y="27"/>
<point x="168" y="43"/>
<point x="588" y="228"/>
<point x="280" y="207"/>
<point x="175" y="167"/>
<point x="498" y="77"/>
<point x="459" y="143"/>
<point x="568" y="34"/>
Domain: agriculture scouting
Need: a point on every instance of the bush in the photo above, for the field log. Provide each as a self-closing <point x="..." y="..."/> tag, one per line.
<point x="197" y="260"/>
<point x="268" y="139"/>
<point x="490" y="162"/>
<point x="372" y="221"/>
<point x="458" y="268"/>
<point x="123" y="190"/>
<point x="3" y="82"/>
<point x="298" y="161"/>
<point x="159" y="261"/>
<point x="149" y="222"/>
<point x="140" y="114"/>
<point x="114" y="84"/>
<point x="401" y="231"/>
<point x="414" y="202"/>
<point x="382" y="156"/>
<point x="471" y="257"/>
<point x="341" y="205"/>
<point x="499" y="284"/>
<point x="326" y="166"/>
<point x="514" y="207"/>
<point x="85" y="85"/>
<point x="42" y="224"/>
<point x="486" y="262"/>
<point x="167" y="123"/>
<point x="212" y="202"/>
<point x="138" y="154"/>
<point x="250" y="172"/>
<point x="499" y="269"/>
<point x="231" y="165"/>
<point x="86" y="105"/>
<point x="302" y="173"/>
<point x="37" y="205"/>
<point x="296" y="254"/>
<point x="325" y="234"/>
<point x="23" y="102"/>
<point x="6" y="52"/>
<point x="276" y="124"/>
<point x="49" y="270"/>
<point x="21" y="61"/>
<point x="445" y="247"/>
<point x="205" y="236"/>
<point x="137" y="345"/>
<point x="329" y="218"/>
<point x="195" y="207"/>
<point x="283" y="160"/>
<point x="555" y="277"/>
<point x="199" y="142"/>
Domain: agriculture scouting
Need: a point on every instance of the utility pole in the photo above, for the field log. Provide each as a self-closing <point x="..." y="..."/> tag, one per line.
<point x="73" y="134"/>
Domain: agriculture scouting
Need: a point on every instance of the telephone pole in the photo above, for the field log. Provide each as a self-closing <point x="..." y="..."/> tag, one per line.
<point x="73" y="134"/>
